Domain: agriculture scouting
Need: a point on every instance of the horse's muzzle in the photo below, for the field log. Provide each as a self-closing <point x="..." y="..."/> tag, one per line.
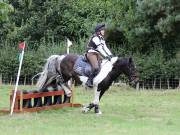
<point x="133" y="82"/>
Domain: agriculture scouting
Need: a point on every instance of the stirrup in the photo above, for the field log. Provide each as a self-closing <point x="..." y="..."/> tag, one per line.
<point x="89" y="85"/>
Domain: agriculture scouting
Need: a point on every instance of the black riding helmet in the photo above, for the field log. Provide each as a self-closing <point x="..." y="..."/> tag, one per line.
<point x="99" y="27"/>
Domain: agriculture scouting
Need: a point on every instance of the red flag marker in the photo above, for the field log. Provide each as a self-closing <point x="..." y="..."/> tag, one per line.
<point x="22" y="45"/>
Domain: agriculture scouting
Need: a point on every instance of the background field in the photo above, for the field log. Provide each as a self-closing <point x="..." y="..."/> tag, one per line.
<point x="125" y="111"/>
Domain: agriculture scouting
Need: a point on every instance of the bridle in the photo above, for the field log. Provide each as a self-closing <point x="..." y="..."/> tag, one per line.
<point x="133" y="75"/>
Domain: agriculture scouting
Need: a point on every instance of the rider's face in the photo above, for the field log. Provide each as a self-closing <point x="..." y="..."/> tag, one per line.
<point x="102" y="32"/>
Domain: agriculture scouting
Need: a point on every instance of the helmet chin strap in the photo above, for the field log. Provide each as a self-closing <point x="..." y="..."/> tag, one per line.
<point x="99" y="33"/>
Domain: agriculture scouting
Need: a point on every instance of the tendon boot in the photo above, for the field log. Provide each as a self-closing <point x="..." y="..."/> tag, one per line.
<point x="37" y="101"/>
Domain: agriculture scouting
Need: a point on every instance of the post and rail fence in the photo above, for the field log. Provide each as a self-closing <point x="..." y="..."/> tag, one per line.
<point x="150" y="83"/>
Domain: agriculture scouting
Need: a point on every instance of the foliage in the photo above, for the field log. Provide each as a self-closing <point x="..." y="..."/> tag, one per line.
<point x="148" y="30"/>
<point x="4" y="10"/>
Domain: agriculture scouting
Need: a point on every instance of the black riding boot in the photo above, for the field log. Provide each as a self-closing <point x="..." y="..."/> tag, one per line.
<point x="89" y="82"/>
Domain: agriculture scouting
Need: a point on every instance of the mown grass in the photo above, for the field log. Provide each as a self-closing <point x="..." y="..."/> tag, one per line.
<point x="125" y="111"/>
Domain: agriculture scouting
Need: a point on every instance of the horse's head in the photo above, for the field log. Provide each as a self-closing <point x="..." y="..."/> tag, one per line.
<point x="128" y="67"/>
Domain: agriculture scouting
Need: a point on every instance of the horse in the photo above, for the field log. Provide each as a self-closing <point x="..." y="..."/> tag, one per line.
<point x="59" y="69"/>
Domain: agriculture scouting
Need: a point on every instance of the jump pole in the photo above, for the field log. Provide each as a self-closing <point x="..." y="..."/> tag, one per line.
<point x="70" y="83"/>
<point x="21" y="46"/>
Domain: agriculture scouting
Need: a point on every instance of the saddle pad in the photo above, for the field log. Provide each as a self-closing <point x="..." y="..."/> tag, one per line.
<point x="82" y="67"/>
<point x="106" y="68"/>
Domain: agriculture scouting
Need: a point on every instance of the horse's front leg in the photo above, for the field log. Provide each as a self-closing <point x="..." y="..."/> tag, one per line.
<point x="95" y="103"/>
<point x="96" y="100"/>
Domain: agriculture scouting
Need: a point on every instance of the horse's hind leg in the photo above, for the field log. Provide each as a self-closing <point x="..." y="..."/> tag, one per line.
<point x="88" y="107"/>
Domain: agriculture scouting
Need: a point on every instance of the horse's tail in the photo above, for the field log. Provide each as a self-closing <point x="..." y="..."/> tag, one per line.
<point x="48" y="68"/>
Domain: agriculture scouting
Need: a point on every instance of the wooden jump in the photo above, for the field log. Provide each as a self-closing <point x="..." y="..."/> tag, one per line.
<point x="27" y="101"/>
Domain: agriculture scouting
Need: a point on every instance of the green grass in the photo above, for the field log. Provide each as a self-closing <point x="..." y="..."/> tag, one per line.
<point x="125" y="111"/>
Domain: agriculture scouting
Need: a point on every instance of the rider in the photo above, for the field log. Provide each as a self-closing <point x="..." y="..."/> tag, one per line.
<point x="96" y="48"/>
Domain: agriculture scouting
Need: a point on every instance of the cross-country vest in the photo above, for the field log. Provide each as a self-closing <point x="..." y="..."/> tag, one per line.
<point x="97" y="44"/>
<point x="91" y="45"/>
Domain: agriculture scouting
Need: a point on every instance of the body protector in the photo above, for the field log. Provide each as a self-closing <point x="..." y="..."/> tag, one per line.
<point x="97" y="44"/>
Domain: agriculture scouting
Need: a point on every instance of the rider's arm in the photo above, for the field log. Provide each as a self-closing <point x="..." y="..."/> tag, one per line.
<point x="107" y="50"/>
<point x="101" y="48"/>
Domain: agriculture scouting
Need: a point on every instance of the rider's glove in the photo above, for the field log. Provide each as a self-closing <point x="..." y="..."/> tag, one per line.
<point x="108" y="57"/>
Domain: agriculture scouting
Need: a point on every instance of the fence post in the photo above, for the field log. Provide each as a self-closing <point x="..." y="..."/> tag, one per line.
<point x="0" y="79"/>
<point x="11" y="81"/>
<point x="154" y="85"/>
<point x="160" y="84"/>
<point x="32" y="82"/>
<point x="168" y="83"/>
<point x="179" y="84"/>
<point x="25" y="80"/>
<point x="137" y="86"/>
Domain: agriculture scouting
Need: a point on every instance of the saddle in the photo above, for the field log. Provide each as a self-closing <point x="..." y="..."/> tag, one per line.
<point x="82" y="66"/>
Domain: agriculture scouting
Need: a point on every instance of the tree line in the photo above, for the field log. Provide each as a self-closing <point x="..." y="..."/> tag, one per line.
<point x="147" y="30"/>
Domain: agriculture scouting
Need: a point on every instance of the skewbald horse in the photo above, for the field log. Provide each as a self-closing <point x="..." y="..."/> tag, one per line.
<point x="60" y="69"/>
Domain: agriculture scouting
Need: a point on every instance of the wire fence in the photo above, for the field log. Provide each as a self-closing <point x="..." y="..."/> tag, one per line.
<point x="160" y="83"/>
<point x="152" y="83"/>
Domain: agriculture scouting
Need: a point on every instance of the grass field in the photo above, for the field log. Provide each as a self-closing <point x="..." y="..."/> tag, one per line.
<point x="125" y="112"/>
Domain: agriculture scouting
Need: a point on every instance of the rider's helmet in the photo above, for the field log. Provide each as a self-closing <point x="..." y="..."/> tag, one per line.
<point x="100" y="27"/>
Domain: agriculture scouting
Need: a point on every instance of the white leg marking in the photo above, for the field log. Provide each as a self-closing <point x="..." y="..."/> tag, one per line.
<point x="67" y="90"/>
<point x="99" y="113"/>
<point x="96" y="97"/>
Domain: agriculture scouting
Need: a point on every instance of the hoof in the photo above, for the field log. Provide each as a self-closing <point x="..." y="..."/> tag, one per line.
<point x="85" y="109"/>
<point x="97" y="110"/>
<point x="88" y="107"/>
<point x="98" y="113"/>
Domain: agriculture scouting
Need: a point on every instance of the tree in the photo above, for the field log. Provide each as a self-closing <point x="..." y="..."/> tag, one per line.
<point x="4" y="10"/>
